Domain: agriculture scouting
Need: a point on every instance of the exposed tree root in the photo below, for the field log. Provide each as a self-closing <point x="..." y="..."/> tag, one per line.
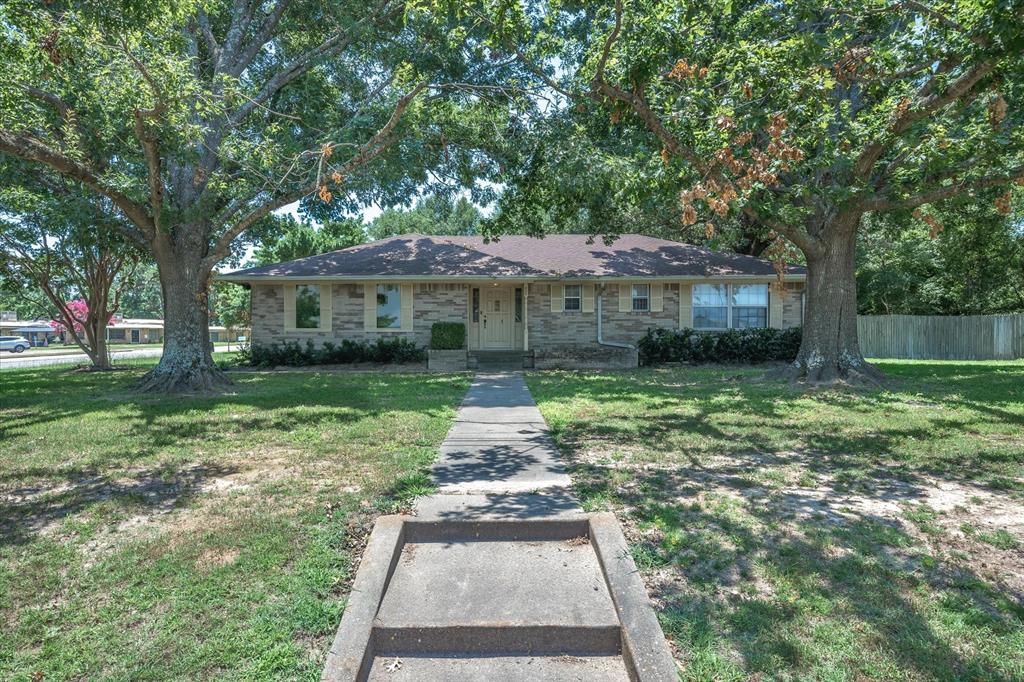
<point x="198" y="378"/>
<point x="848" y="372"/>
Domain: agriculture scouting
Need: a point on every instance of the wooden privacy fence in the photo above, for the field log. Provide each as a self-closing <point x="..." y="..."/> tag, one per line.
<point x="942" y="337"/>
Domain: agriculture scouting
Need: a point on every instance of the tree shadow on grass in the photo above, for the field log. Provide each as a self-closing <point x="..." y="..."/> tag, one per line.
<point x="769" y="575"/>
<point x="29" y="509"/>
<point x="38" y="487"/>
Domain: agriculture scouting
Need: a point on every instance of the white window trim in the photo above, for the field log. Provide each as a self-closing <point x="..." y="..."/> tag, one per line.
<point x="633" y="298"/>
<point x="729" y="305"/>
<point x="578" y="298"/>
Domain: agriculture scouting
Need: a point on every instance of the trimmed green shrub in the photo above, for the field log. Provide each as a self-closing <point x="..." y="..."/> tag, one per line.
<point x="447" y="336"/>
<point x="747" y="346"/>
<point x="292" y="354"/>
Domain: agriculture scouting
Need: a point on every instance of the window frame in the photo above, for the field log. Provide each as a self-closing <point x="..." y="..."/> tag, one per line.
<point x="633" y="298"/>
<point x="729" y="305"/>
<point x="578" y="298"/>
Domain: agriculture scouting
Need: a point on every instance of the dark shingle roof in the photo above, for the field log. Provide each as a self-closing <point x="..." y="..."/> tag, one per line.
<point x="517" y="256"/>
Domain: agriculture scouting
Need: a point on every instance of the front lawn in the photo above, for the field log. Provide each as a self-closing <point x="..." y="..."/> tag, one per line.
<point x="190" y="538"/>
<point x="840" y="535"/>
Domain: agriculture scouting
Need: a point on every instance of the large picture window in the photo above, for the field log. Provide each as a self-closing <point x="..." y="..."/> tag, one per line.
<point x="573" y="297"/>
<point x="725" y="306"/>
<point x="307" y="306"/>
<point x="389" y="306"/>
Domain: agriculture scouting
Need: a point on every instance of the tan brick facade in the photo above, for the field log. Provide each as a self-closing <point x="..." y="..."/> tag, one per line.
<point x="554" y="334"/>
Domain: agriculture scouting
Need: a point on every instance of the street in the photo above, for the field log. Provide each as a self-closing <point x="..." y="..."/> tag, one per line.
<point x="27" y="359"/>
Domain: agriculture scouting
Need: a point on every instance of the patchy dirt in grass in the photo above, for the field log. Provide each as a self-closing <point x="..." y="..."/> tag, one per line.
<point x="174" y="503"/>
<point x="967" y="528"/>
<point x="214" y="558"/>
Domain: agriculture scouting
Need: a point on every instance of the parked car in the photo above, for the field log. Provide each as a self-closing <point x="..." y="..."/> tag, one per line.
<point x="15" y="344"/>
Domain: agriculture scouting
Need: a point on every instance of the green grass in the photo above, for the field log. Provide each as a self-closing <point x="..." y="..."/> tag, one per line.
<point x="832" y="535"/>
<point x="192" y="538"/>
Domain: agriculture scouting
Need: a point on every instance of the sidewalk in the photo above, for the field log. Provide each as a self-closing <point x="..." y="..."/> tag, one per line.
<point x="500" y="575"/>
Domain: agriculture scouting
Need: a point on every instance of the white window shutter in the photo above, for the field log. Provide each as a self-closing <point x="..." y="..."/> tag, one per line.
<point x="625" y="297"/>
<point x="685" y="306"/>
<point x="587" y="304"/>
<point x="557" y="298"/>
<point x="326" y="306"/>
<point x="289" y="307"/>
<point x="407" y="307"/>
<point x="657" y="297"/>
<point x="370" y="306"/>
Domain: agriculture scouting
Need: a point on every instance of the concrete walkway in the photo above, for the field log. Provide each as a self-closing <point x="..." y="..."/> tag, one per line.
<point x="500" y="575"/>
<point x="498" y="460"/>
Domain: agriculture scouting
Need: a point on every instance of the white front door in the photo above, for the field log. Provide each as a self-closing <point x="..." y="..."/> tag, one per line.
<point x="496" y="317"/>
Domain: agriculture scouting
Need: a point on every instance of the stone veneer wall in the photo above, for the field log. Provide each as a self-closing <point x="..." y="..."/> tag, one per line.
<point x="793" y="305"/>
<point x="431" y="303"/>
<point x="555" y="330"/>
<point x="561" y="336"/>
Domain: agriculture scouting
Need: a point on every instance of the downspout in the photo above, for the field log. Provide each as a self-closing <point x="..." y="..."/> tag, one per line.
<point x="600" y="337"/>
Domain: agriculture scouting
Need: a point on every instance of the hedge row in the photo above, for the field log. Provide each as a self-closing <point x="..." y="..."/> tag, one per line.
<point x="292" y="354"/>
<point x="732" y="346"/>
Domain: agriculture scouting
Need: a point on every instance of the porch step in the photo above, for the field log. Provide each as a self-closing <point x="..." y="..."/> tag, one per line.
<point x="496" y="360"/>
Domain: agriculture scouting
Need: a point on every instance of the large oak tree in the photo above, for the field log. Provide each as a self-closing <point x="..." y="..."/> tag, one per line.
<point x="198" y="119"/>
<point x="800" y="117"/>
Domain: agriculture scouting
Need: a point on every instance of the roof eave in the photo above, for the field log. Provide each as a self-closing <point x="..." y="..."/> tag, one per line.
<point x="247" y="279"/>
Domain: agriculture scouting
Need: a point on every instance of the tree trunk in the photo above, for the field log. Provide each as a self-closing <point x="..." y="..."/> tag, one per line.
<point x="829" y="352"/>
<point x="186" y="365"/>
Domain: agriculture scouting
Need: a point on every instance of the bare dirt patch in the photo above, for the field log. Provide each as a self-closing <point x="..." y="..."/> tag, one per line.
<point x="964" y="524"/>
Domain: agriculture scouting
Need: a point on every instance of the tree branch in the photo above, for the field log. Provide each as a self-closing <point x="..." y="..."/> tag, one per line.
<point x="884" y="203"/>
<point x="31" y="149"/>
<point x="369" y="151"/>
<point x="305" y="61"/>
<point x="928" y="103"/>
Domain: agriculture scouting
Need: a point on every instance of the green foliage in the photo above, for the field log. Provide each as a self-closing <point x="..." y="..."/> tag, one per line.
<point x="436" y="214"/>
<point x="229" y="305"/>
<point x="283" y="238"/>
<point x="973" y="266"/>
<point x="142" y="297"/>
<point x="396" y="350"/>
<point x="746" y="346"/>
<point x="448" y="336"/>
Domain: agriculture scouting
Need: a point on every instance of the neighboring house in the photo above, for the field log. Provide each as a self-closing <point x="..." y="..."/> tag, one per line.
<point x="147" y="330"/>
<point x="36" y="332"/>
<point x="563" y="300"/>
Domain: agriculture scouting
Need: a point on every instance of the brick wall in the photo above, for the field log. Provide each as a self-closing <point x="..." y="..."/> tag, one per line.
<point x="792" y="305"/>
<point x="431" y="303"/>
<point x="551" y="331"/>
<point x="552" y="334"/>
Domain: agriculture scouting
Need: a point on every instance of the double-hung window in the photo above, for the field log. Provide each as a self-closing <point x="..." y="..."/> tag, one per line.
<point x="749" y="306"/>
<point x="573" y="297"/>
<point x="389" y="306"/>
<point x="725" y="306"/>
<point x="641" y="297"/>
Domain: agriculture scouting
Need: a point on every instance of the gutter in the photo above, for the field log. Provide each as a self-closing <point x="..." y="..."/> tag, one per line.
<point x="600" y="337"/>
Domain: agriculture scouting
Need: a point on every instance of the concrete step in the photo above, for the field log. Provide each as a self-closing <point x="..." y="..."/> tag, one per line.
<point x="565" y="668"/>
<point x="539" y="593"/>
<point x="492" y="599"/>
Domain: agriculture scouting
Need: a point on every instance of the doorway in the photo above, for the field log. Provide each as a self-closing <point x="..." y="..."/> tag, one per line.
<point x="496" y="318"/>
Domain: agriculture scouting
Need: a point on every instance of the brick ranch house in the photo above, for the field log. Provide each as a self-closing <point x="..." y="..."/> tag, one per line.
<point x="564" y="300"/>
